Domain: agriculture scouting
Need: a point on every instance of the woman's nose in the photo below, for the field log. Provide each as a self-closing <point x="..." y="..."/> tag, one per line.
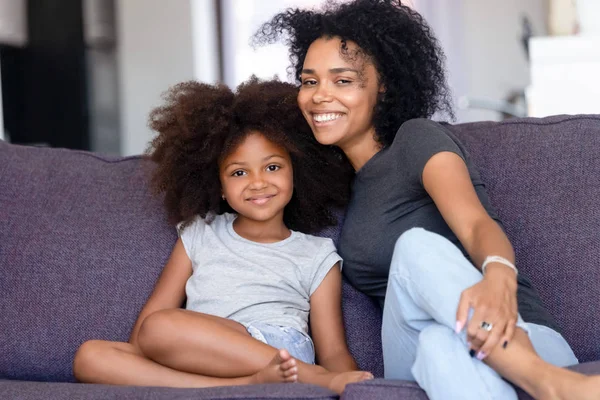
<point x="322" y="94"/>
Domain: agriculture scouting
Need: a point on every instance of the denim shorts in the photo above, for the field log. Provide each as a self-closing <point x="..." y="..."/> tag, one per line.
<point x="298" y="344"/>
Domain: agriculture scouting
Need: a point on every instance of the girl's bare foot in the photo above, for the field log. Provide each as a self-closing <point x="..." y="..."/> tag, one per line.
<point x="281" y="369"/>
<point x="341" y="379"/>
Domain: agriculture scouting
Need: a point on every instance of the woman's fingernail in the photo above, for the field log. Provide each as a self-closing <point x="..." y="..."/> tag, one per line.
<point x="459" y="326"/>
<point x="469" y="345"/>
<point x="505" y="344"/>
<point x="472" y="353"/>
<point x="480" y="355"/>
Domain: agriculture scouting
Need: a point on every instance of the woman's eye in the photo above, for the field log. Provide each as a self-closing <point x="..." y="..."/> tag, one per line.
<point x="309" y="82"/>
<point x="343" y="81"/>
<point x="238" y="173"/>
<point x="273" y="168"/>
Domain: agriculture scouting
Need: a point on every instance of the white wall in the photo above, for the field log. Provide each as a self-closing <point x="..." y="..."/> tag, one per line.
<point x="495" y="62"/>
<point x="481" y="39"/>
<point x="155" y="51"/>
<point x="241" y="19"/>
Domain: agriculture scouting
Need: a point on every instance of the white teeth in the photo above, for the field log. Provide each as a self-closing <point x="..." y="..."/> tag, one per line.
<point x="326" y="117"/>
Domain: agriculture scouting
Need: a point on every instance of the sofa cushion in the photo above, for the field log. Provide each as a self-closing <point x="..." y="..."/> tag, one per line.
<point x="543" y="177"/>
<point x="384" y="389"/>
<point x="82" y="243"/>
<point x="44" y="391"/>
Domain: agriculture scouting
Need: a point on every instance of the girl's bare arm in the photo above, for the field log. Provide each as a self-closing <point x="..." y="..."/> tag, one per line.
<point x="327" y="325"/>
<point x="169" y="291"/>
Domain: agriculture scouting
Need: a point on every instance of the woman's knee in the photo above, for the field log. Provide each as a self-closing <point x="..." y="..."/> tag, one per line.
<point x="409" y="249"/>
<point x="421" y="253"/>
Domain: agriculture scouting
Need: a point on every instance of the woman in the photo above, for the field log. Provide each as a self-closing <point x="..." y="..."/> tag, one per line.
<point x="420" y="235"/>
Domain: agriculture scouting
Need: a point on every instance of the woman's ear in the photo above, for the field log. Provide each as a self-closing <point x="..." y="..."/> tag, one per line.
<point x="382" y="88"/>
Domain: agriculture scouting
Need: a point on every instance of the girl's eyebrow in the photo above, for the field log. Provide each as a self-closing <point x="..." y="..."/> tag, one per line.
<point x="241" y="163"/>
<point x="332" y="70"/>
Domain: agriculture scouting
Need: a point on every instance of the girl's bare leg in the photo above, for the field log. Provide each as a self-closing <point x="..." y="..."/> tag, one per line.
<point x="520" y="364"/>
<point x="117" y="363"/>
<point x="208" y="345"/>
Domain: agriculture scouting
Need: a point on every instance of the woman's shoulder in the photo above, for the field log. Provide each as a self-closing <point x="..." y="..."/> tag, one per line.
<point x="421" y="135"/>
<point x="420" y="128"/>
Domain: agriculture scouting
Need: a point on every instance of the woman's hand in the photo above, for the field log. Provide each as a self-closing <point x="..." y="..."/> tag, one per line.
<point x="494" y="302"/>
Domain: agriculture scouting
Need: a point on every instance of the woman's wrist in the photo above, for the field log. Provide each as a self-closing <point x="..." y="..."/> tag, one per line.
<point x="496" y="272"/>
<point x="498" y="260"/>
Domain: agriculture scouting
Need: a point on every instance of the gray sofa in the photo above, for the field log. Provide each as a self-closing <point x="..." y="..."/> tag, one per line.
<point x="82" y="242"/>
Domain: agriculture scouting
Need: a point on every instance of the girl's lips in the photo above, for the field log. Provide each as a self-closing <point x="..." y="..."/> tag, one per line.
<point x="260" y="200"/>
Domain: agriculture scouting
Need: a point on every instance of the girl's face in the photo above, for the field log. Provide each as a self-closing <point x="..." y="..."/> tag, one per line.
<point x="337" y="96"/>
<point x="257" y="179"/>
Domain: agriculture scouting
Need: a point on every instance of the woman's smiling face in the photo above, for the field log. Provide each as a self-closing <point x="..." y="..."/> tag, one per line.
<point x="338" y="94"/>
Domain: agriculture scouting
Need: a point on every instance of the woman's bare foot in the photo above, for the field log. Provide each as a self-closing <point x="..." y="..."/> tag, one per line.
<point x="339" y="380"/>
<point x="569" y="385"/>
<point x="281" y="369"/>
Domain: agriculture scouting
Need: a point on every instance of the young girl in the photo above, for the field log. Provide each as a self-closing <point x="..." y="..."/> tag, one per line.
<point x="244" y="188"/>
<point x="431" y="248"/>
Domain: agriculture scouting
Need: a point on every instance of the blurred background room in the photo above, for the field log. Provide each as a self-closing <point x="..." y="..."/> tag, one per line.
<point x="84" y="74"/>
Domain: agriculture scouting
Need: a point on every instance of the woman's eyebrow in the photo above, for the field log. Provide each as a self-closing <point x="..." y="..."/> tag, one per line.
<point x="310" y="71"/>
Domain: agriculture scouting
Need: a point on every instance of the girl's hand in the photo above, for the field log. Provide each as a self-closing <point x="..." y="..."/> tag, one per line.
<point x="494" y="301"/>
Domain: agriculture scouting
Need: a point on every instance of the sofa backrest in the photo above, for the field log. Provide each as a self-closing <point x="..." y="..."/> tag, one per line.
<point x="543" y="176"/>
<point x="82" y="242"/>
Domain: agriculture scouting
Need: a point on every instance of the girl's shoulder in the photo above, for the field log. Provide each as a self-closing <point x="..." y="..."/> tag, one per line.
<point x="198" y="224"/>
<point x="315" y="244"/>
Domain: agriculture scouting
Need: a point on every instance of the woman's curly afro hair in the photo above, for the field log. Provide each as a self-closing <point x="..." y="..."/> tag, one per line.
<point x="392" y="36"/>
<point x="201" y="124"/>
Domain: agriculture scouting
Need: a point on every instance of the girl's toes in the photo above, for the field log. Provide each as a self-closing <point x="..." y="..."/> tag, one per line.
<point x="288" y="364"/>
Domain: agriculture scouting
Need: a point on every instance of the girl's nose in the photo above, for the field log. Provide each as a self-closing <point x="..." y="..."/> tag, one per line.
<point x="258" y="182"/>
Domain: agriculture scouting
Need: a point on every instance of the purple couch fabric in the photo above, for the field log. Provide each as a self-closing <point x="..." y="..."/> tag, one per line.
<point x="82" y="242"/>
<point x="384" y="389"/>
<point x="46" y="390"/>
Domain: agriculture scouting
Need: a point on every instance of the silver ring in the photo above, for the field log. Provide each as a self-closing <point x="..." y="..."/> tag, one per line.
<point x="486" y="326"/>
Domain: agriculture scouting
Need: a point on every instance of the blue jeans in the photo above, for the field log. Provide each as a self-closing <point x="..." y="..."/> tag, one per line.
<point x="427" y="276"/>
<point x="298" y="344"/>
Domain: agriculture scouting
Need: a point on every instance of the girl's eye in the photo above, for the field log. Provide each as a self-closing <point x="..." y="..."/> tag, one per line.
<point x="273" y="168"/>
<point x="238" y="173"/>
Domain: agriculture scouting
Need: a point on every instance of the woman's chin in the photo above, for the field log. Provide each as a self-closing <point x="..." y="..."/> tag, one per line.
<point x="326" y="139"/>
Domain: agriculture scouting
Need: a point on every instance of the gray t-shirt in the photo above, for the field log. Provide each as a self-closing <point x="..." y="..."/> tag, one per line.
<point x="251" y="282"/>
<point x="388" y="198"/>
